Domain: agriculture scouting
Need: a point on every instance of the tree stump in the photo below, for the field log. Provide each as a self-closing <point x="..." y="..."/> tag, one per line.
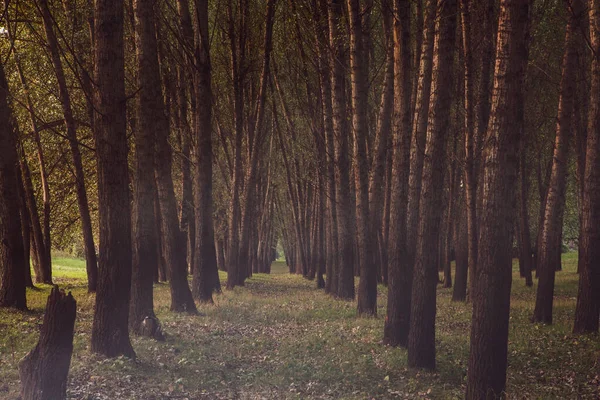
<point x="44" y="369"/>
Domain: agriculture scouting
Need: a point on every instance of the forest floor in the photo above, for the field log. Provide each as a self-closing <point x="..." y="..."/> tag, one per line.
<point x="280" y="338"/>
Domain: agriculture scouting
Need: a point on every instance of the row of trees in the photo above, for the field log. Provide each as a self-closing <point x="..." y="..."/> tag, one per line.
<point x="387" y="138"/>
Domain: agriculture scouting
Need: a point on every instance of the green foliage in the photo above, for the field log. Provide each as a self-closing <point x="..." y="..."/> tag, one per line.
<point x="279" y="337"/>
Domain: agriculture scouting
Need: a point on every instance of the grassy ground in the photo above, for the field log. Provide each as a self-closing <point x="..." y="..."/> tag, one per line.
<point x="278" y="338"/>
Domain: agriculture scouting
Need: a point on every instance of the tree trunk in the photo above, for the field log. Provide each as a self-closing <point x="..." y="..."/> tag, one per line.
<point x="588" y="303"/>
<point x="12" y="257"/>
<point x="491" y="301"/>
<point x="110" y="334"/>
<point x="206" y="277"/>
<point x="421" y="339"/>
<point x="149" y="107"/>
<point x="419" y="130"/>
<point x="345" y="283"/>
<point x="399" y="270"/>
<point x="45" y="369"/>
<point x="367" y="288"/>
<point x="555" y="200"/>
<point x="65" y="100"/>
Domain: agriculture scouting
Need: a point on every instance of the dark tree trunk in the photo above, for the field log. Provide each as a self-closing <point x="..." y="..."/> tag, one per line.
<point x="12" y="257"/>
<point x="419" y="129"/>
<point x="461" y="256"/>
<point x="25" y="230"/>
<point x="110" y="334"/>
<point x="345" y="275"/>
<point x="526" y="252"/>
<point x="555" y="199"/>
<point x="377" y="186"/>
<point x="367" y="288"/>
<point x="45" y="369"/>
<point x="142" y="319"/>
<point x="491" y="301"/>
<point x="421" y="339"/>
<point x="65" y="100"/>
<point x="206" y="277"/>
<point x="399" y="270"/>
<point x="37" y="234"/>
<point x="588" y="302"/>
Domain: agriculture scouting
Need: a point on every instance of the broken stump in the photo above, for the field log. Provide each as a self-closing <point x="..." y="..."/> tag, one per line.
<point x="44" y="370"/>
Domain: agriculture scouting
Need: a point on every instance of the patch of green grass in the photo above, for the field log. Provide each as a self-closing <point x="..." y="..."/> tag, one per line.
<point x="278" y="337"/>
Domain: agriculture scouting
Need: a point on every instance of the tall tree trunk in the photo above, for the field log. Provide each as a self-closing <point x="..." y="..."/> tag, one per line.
<point x="110" y="334"/>
<point x="12" y="257"/>
<point x="37" y="235"/>
<point x="367" y="288"/>
<point x="399" y="270"/>
<point x="526" y="252"/>
<point x="44" y="245"/>
<point x="419" y="130"/>
<point x="555" y="200"/>
<point x="588" y="303"/>
<point x="149" y="106"/>
<point x="206" y="276"/>
<point x="421" y="339"/>
<point x="491" y="301"/>
<point x="65" y="100"/>
<point x="345" y="284"/>
<point x="377" y="186"/>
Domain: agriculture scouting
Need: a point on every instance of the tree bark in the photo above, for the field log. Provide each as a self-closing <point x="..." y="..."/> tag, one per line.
<point x="491" y="301"/>
<point x="12" y="256"/>
<point x="367" y="288"/>
<point x="206" y="277"/>
<point x="587" y="311"/>
<point x="421" y="339"/>
<point x="45" y="369"/>
<point x="110" y="334"/>
<point x="399" y="270"/>
<point x="345" y="284"/>
<point x="149" y="106"/>
<point x="555" y="200"/>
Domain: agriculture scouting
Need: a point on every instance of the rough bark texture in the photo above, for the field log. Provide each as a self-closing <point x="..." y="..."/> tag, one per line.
<point x="110" y="334"/>
<point x="399" y="270"/>
<point x="145" y="242"/>
<point x="206" y="278"/>
<point x="345" y="284"/>
<point x="45" y="369"/>
<point x="419" y="129"/>
<point x="12" y="256"/>
<point x="588" y="302"/>
<point x="367" y="288"/>
<point x="421" y="339"/>
<point x="486" y="376"/>
<point x="555" y="199"/>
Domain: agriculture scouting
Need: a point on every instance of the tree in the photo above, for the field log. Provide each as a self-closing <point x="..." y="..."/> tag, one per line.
<point x="399" y="270"/>
<point x="587" y="313"/>
<point x="110" y="335"/>
<point x="12" y="257"/>
<point x="65" y="100"/>
<point x="149" y="105"/>
<point x="206" y="278"/>
<point x="345" y="285"/>
<point x="44" y="370"/>
<point x="555" y="198"/>
<point x="486" y="376"/>
<point x="367" y="288"/>
<point x="421" y="338"/>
